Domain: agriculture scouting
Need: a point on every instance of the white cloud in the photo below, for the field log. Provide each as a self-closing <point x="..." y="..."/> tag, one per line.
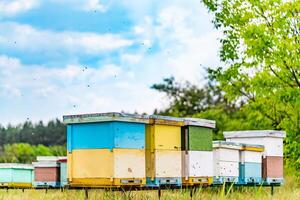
<point x="26" y="38"/>
<point x="42" y="93"/>
<point x="94" y="5"/>
<point x="179" y="33"/>
<point x="86" y="5"/>
<point x="187" y="43"/>
<point x="14" y="7"/>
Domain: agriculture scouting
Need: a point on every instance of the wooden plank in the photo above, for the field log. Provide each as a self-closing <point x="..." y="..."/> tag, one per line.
<point x="273" y="167"/>
<point x="91" y="163"/>
<point x="129" y="163"/>
<point x="168" y="163"/>
<point x="200" y="138"/>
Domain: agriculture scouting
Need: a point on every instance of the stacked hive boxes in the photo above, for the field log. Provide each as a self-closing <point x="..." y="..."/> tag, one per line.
<point x="16" y="175"/>
<point x="47" y="171"/>
<point x="272" y="155"/>
<point x="226" y="161"/>
<point x="63" y="172"/>
<point x="106" y="150"/>
<point x="163" y="151"/>
<point x="197" y="154"/>
<point x="251" y="164"/>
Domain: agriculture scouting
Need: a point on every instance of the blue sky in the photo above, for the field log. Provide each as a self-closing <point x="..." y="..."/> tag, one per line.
<point x="62" y="57"/>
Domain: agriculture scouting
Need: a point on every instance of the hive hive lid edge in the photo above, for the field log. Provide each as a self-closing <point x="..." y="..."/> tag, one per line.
<point x="105" y="117"/>
<point x="254" y="133"/>
<point x="200" y="122"/>
<point x="50" y="158"/>
<point x="227" y="145"/>
<point x="15" y="166"/>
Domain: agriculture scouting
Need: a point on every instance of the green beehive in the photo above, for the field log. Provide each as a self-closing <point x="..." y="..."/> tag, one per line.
<point x="197" y="135"/>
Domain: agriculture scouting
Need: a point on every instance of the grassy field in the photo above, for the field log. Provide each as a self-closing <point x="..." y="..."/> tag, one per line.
<point x="289" y="191"/>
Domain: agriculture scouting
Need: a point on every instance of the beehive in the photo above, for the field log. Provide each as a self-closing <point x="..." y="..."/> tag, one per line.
<point x="251" y="164"/>
<point x="273" y="152"/>
<point x="163" y="151"/>
<point x="226" y="161"/>
<point x="273" y="169"/>
<point x="63" y="172"/>
<point x="118" y="167"/>
<point x="16" y="175"/>
<point x="271" y="140"/>
<point x="197" y="155"/>
<point x="47" y="171"/>
<point x="116" y="139"/>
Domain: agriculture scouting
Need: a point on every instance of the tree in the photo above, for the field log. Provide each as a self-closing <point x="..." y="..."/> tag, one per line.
<point x="26" y="153"/>
<point x="54" y="133"/>
<point x="208" y="102"/>
<point x="186" y="99"/>
<point x="261" y="63"/>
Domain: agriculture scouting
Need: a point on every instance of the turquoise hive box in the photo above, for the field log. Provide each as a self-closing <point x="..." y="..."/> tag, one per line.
<point x="16" y="175"/>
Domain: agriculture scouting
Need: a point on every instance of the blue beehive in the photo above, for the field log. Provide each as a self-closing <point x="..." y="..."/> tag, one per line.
<point x="250" y="165"/>
<point x="105" y="131"/>
<point x="250" y="173"/>
<point x="63" y="172"/>
<point x="16" y="175"/>
<point x="106" y="135"/>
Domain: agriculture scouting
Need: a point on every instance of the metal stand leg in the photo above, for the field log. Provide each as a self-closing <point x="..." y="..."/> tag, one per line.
<point x="272" y="190"/>
<point x="86" y="194"/>
<point x="159" y="193"/>
<point x="191" y="192"/>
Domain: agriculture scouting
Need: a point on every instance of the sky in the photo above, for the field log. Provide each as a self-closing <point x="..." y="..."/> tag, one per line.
<point x="60" y="57"/>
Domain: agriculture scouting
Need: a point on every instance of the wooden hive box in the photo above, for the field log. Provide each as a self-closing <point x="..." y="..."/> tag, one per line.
<point x="14" y="175"/>
<point x="226" y="161"/>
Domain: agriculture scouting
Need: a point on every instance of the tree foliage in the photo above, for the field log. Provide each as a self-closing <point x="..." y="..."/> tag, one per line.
<point x="260" y="52"/>
<point x="187" y="99"/>
<point x="26" y="153"/>
<point x="52" y="133"/>
<point x="22" y="143"/>
<point x="209" y="102"/>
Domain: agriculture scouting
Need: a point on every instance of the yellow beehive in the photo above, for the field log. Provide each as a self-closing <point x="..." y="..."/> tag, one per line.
<point x="163" y="137"/>
<point x="103" y="167"/>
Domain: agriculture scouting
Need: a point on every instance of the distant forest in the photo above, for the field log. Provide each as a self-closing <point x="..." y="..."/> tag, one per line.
<point x="22" y="143"/>
<point x="50" y="134"/>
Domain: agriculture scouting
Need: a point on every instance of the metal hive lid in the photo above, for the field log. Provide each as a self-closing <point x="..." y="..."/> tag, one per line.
<point x="200" y="122"/>
<point x="166" y="120"/>
<point x="254" y="134"/>
<point x="15" y="166"/>
<point x="49" y="158"/>
<point x="45" y="164"/>
<point x="105" y="117"/>
<point x="227" y="145"/>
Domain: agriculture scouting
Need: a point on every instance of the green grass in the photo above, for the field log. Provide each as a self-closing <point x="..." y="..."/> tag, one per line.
<point x="289" y="191"/>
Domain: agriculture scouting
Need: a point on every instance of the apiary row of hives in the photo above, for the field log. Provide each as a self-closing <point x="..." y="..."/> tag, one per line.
<point x="125" y="150"/>
<point x="115" y="149"/>
<point x="47" y="172"/>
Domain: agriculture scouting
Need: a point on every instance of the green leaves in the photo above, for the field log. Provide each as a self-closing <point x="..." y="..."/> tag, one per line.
<point x="26" y="153"/>
<point x="261" y="62"/>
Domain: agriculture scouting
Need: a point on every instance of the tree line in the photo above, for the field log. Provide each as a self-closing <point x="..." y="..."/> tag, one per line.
<point x="22" y="143"/>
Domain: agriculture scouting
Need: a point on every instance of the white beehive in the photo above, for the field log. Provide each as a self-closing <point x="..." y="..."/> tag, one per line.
<point x="167" y="164"/>
<point x="197" y="164"/>
<point x="251" y="153"/>
<point x="271" y="140"/>
<point x="129" y="163"/>
<point x="226" y="158"/>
